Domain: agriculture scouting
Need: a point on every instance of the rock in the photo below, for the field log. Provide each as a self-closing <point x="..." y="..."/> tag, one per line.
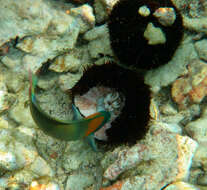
<point x="127" y="159"/>
<point x="168" y="109"/>
<point x="100" y="46"/>
<point x="85" y="17"/>
<point x="186" y="150"/>
<point x="13" y="59"/>
<point x="161" y="76"/>
<point x="3" y="183"/>
<point x="165" y="15"/>
<point x="180" y="186"/>
<point x="67" y="81"/>
<point x="65" y="63"/>
<point x="3" y="123"/>
<point x="201" y="48"/>
<point x="169" y="152"/>
<point x="15" y="154"/>
<point x="42" y="48"/>
<point x="197" y="129"/>
<point x="47" y="82"/>
<point x="195" y="175"/>
<point x="99" y="43"/>
<point x="14" y="81"/>
<point x="8" y="161"/>
<point x="191" y="88"/>
<point x="171" y="127"/>
<point x="103" y="9"/>
<point x="4" y="101"/>
<point x="195" y="24"/>
<point x="56" y="103"/>
<point x="41" y="168"/>
<point x="78" y="181"/>
<point x="21" y="110"/>
<point x="200" y="158"/>
<point x="96" y="32"/>
<point x="39" y="186"/>
<point x="144" y="11"/>
<point x="80" y="155"/>
<point x="4" y="49"/>
<point x="30" y="19"/>
<point x="154" y="35"/>
<point x="202" y="180"/>
<point x="116" y="186"/>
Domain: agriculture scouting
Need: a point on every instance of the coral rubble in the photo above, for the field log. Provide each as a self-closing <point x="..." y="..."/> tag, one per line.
<point x="62" y="40"/>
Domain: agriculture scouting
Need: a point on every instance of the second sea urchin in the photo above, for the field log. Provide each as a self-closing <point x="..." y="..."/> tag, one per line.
<point x="131" y="95"/>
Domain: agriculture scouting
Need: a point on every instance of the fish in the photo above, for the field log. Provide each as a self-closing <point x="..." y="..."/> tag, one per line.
<point x="79" y="127"/>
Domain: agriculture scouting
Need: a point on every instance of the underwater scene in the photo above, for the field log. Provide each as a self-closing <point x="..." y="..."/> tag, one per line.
<point x="103" y="94"/>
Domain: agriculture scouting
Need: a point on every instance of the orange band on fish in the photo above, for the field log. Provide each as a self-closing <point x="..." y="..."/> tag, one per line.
<point x="94" y="124"/>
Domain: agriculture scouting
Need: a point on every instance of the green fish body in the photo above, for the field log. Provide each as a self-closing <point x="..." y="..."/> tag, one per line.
<point x="67" y="130"/>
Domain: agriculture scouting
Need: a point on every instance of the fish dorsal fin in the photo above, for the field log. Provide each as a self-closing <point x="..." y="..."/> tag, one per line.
<point x="77" y="113"/>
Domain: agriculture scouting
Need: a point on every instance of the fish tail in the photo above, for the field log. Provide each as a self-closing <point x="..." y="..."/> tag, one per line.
<point x="33" y="83"/>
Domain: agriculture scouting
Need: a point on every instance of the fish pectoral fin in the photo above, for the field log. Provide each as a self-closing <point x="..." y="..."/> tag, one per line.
<point x="91" y="141"/>
<point x="77" y="114"/>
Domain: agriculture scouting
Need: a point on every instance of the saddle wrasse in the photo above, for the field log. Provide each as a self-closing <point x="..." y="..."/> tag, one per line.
<point x="68" y="130"/>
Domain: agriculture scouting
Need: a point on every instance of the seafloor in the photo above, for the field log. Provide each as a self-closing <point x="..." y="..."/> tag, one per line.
<point x="66" y="37"/>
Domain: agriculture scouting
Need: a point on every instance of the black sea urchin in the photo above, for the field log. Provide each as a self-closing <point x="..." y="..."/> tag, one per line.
<point x="131" y="123"/>
<point x="133" y="22"/>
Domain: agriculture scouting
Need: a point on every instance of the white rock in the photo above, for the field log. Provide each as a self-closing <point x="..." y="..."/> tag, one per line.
<point x="64" y="63"/>
<point x="32" y="18"/>
<point x="195" y="24"/>
<point x="12" y="60"/>
<point x="4" y="105"/>
<point x="165" y="15"/>
<point x="42" y="48"/>
<point x="180" y="186"/>
<point x="198" y="129"/>
<point x="87" y="18"/>
<point x="25" y="154"/>
<point x="79" y="181"/>
<point x="200" y="158"/>
<point x="20" y="112"/>
<point x="103" y="9"/>
<point x="166" y="74"/>
<point x="41" y="168"/>
<point x="96" y="32"/>
<point x="52" y="186"/>
<point x="154" y="35"/>
<point x="3" y="123"/>
<point x="201" y="48"/>
<point x="8" y="160"/>
<point x="99" y="42"/>
<point x="186" y="150"/>
<point x="14" y="81"/>
<point x="3" y="182"/>
<point x="144" y="11"/>
<point x="67" y="81"/>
